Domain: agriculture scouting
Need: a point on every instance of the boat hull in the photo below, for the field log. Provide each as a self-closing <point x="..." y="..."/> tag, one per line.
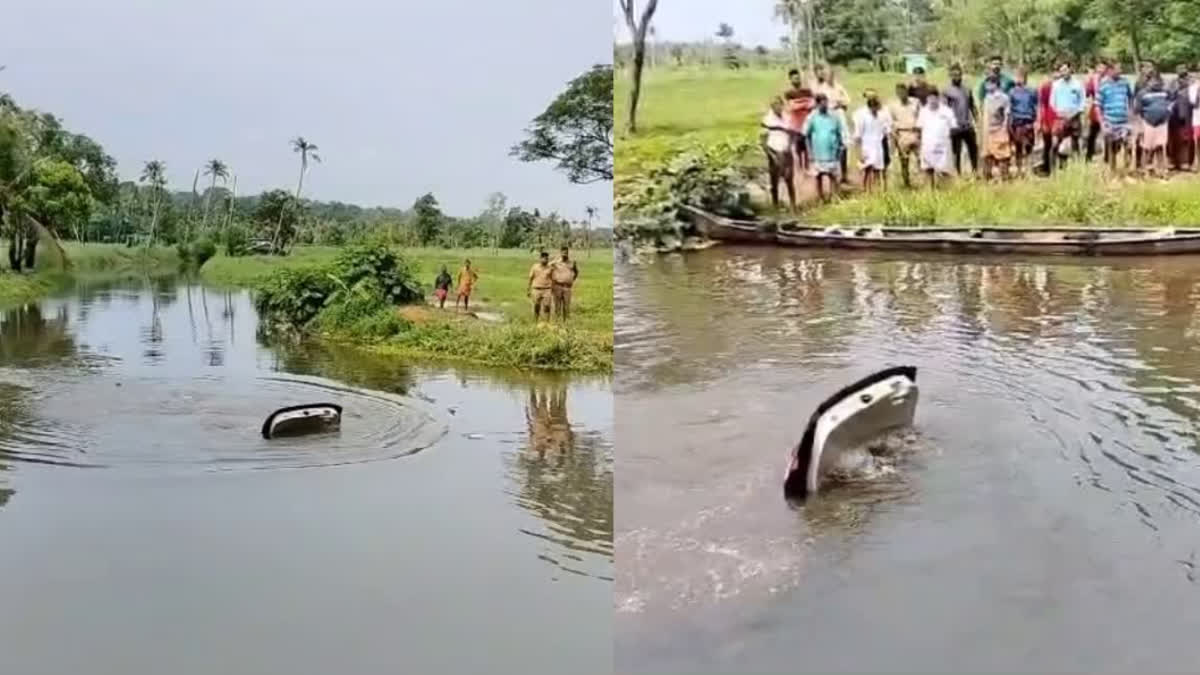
<point x="846" y="422"/>
<point x="1059" y="241"/>
<point x="302" y="420"/>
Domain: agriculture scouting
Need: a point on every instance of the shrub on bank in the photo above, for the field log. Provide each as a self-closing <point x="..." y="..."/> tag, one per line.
<point x="196" y="253"/>
<point x="360" y="283"/>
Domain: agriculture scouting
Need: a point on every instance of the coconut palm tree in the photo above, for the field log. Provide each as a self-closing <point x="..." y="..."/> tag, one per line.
<point x="587" y="231"/>
<point x="155" y="174"/>
<point x="215" y="169"/>
<point x="308" y="151"/>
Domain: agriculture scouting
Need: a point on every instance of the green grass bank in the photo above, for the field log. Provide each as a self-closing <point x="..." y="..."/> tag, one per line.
<point x="688" y="108"/>
<point x="91" y="261"/>
<point x="501" y="331"/>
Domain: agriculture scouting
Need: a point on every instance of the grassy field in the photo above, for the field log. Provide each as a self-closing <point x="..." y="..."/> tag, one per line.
<point x="87" y="260"/>
<point x="683" y="108"/>
<point x="505" y="335"/>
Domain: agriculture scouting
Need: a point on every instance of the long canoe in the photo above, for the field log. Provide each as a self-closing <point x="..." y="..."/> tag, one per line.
<point x="1043" y="241"/>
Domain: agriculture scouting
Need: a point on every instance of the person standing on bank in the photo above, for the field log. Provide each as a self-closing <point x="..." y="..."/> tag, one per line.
<point x="1180" y="146"/>
<point x="467" y="278"/>
<point x="837" y="100"/>
<point x="905" y="137"/>
<point x="872" y="124"/>
<point x="1066" y="99"/>
<point x="441" y="287"/>
<point x="563" y="273"/>
<point x="961" y="102"/>
<point x="779" y="145"/>
<point x="935" y="124"/>
<point x="996" y="74"/>
<point x="1024" y="102"/>
<point x="823" y="132"/>
<point x="539" y="288"/>
<point x="1091" y="90"/>
<point x="1153" y="107"/>
<point x="1114" y="98"/>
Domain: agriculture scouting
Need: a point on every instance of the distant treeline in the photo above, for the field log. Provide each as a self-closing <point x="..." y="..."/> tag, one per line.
<point x="874" y="34"/>
<point x="57" y="184"/>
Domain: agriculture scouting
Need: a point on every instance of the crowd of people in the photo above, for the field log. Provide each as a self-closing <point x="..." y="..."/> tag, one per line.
<point x="1139" y="126"/>
<point x="549" y="288"/>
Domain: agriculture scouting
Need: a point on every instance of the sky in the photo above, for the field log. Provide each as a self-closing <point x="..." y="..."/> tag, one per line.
<point x="402" y="98"/>
<point x="693" y="20"/>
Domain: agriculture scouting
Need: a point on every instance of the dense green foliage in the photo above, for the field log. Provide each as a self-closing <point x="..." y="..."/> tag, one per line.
<point x="872" y="34"/>
<point x="708" y="176"/>
<point x="359" y="281"/>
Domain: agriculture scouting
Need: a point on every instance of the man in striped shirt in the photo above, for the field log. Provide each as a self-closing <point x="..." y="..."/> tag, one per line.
<point x="1114" y="98"/>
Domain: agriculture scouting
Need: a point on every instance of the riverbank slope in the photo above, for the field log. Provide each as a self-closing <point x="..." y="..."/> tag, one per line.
<point x="90" y="261"/>
<point x="499" y="330"/>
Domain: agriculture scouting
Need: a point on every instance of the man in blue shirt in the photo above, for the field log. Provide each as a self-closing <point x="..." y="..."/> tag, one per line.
<point x="1153" y="105"/>
<point x="1066" y="100"/>
<point x="825" y="142"/>
<point x="1023" y="102"/>
<point x="1114" y="98"/>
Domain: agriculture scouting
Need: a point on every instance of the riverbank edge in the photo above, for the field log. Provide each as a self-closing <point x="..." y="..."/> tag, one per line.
<point x="383" y="348"/>
<point x="89" y="262"/>
<point x="546" y="347"/>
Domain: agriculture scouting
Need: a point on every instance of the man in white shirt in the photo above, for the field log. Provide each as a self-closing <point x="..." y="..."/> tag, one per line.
<point x="872" y="124"/>
<point x="935" y="123"/>
<point x="777" y="144"/>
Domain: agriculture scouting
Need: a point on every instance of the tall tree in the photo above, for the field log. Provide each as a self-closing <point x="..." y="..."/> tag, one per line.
<point x="638" y="26"/>
<point x="214" y="169"/>
<point x="427" y="219"/>
<point x="307" y="151"/>
<point x="576" y="129"/>
<point x="154" y="174"/>
<point x="493" y="217"/>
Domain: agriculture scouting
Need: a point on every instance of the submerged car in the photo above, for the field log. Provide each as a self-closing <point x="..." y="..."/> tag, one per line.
<point x="300" y="420"/>
<point x="849" y="420"/>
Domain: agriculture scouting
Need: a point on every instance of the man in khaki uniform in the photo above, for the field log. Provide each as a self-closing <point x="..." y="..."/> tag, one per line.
<point x="563" y="274"/>
<point x="539" y="286"/>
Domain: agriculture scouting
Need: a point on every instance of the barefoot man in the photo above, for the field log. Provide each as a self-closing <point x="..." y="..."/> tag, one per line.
<point x="871" y="128"/>
<point x="563" y="273"/>
<point x="824" y="134"/>
<point x="539" y="288"/>
<point x="441" y="287"/>
<point x="905" y="138"/>
<point x="466" y="283"/>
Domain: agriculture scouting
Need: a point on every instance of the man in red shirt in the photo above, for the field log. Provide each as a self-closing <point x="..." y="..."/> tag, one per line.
<point x="1046" y="117"/>
<point x="798" y="103"/>
<point x="1090" y="89"/>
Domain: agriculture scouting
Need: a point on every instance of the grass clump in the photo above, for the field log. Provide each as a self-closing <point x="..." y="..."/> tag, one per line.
<point x="1081" y="195"/>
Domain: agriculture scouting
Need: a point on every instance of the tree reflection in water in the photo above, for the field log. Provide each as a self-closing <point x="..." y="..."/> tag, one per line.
<point x="28" y="337"/>
<point x="564" y="477"/>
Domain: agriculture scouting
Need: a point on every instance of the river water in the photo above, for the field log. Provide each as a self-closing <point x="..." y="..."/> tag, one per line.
<point x="1046" y="516"/>
<point x="460" y="521"/>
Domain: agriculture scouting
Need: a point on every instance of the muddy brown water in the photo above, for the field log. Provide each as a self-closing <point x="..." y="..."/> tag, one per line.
<point x="461" y="519"/>
<point x="1046" y="518"/>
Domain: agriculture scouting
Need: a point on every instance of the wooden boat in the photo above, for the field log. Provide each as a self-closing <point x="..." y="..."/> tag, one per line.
<point x="1043" y="241"/>
<point x="298" y="420"/>
<point x="848" y="420"/>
